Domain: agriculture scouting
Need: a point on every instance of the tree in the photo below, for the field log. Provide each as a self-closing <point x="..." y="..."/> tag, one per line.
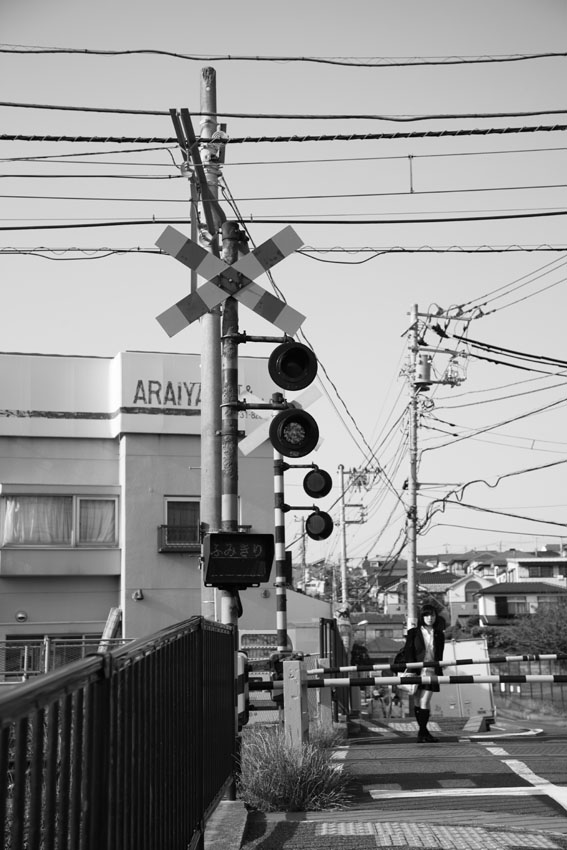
<point x="542" y="632"/>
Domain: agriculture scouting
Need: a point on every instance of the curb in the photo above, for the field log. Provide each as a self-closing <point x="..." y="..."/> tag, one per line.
<point x="225" y="828"/>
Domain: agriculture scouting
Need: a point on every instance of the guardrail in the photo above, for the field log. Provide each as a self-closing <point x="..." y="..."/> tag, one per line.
<point x="129" y="749"/>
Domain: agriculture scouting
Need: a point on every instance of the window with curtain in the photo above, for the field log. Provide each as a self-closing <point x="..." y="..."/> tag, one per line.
<point x="97" y="521"/>
<point x="517" y="605"/>
<point x="57" y="521"/>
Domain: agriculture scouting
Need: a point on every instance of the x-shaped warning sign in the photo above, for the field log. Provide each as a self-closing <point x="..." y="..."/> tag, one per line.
<point x="224" y="280"/>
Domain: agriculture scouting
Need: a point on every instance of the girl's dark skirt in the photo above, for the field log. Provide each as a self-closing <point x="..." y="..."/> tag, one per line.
<point x="429" y="671"/>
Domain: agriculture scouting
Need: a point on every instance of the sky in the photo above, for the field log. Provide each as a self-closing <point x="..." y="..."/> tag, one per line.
<point x="493" y="441"/>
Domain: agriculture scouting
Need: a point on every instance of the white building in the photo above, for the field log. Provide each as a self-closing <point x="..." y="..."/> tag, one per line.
<point x="100" y="488"/>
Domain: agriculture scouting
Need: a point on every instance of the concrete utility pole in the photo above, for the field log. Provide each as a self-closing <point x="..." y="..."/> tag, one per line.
<point x="210" y="353"/>
<point x="231" y="237"/>
<point x="342" y="520"/>
<point x="413" y="341"/>
<point x="356" y="478"/>
<point x="304" y="572"/>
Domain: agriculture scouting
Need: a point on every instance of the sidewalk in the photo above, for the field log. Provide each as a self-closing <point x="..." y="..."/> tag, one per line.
<point x="382" y="760"/>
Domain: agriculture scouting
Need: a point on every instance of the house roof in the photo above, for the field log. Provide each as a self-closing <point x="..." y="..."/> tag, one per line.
<point x="437" y="578"/>
<point x="491" y="620"/>
<point x="375" y="618"/>
<point x="383" y="646"/>
<point x="507" y="587"/>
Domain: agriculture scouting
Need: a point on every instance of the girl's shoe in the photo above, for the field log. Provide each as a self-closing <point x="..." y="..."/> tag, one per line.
<point x="426" y="738"/>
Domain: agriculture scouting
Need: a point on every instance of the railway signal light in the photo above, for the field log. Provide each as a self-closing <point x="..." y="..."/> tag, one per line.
<point x="317" y="483"/>
<point x="293" y="432"/>
<point x="292" y="366"/>
<point x="319" y="525"/>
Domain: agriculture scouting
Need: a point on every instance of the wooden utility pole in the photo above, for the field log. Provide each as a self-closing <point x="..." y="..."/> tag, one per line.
<point x="210" y="353"/>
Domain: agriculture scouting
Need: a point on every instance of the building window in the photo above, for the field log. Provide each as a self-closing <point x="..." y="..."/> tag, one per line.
<point x="471" y="589"/>
<point x="541" y="571"/>
<point x="517" y="605"/>
<point x="59" y="521"/>
<point x="548" y="599"/>
<point x="181" y="532"/>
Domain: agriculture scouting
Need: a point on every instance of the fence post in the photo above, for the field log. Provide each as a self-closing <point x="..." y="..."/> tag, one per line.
<point x="296" y="711"/>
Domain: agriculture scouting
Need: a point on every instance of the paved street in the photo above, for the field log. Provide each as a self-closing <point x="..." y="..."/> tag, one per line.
<point x="471" y="794"/>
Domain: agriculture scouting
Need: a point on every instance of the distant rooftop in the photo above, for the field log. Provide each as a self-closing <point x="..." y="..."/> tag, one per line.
<point x="507" y="587"/>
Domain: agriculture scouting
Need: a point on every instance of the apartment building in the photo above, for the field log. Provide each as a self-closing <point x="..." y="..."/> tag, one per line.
<point x="100" y="489"/>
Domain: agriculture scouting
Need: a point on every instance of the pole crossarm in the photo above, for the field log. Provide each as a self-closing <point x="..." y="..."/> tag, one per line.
<point x="225" y="280"/>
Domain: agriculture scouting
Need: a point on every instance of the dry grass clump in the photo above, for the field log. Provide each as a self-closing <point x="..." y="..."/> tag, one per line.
<point x="275" y="777"/>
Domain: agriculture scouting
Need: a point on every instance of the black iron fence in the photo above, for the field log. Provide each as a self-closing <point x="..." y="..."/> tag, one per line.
<point x="130" y="749"/>
<point x="332" y="648"/>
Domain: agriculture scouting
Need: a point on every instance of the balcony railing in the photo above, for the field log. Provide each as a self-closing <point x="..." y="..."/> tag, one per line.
<point x="178" y="538"/>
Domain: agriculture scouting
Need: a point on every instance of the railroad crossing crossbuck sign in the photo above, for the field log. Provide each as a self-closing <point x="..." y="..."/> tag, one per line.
<point x="223" y="280"/>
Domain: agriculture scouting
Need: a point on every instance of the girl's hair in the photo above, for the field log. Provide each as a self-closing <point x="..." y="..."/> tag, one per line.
<point x="429" y="609"/>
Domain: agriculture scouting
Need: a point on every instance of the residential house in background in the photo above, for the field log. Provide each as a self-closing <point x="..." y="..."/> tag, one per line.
<point x="383" y="635"/>
<point x="551" y="567"/>
<point x="500" y="602"/>
<point x="462" y="597"/>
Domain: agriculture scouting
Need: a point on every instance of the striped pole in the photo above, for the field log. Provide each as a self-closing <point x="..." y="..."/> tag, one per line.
<point x="279" y="539"/>
<point x="558" y="679"/>
<point x="242" y="689"/>
<point x="417" y="665"/>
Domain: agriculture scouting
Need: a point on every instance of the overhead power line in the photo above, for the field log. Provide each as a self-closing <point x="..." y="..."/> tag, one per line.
<point x="348" y="61"/>
<point x="418" y="249"/>
<point x="295" y="116"/>
<point x="291" y="220"/>
<point x="320" y="137"/>
<point x="260" y="198"/>
<point x="511" y="352"/>
<point x="41" y="251"/>
<point x="442" y="220"/>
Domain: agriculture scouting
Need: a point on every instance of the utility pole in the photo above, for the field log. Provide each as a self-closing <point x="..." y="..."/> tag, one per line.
<point x="210" y="351"/>
<point x="419" y="380"/>
<point x="413" y="340"/>
<point x="231" y="237"/>
<point x="304" y="554"/>
<point x="342" y="522"/>
<point x="357" y="478"/>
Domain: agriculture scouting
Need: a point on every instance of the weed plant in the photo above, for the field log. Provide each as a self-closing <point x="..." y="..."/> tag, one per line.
<point x="275" y="777"/>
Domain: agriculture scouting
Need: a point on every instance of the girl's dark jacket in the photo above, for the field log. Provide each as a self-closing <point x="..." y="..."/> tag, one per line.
<point x="414" y="650"/>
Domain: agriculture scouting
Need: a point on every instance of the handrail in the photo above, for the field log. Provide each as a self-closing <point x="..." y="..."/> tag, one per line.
<point x="127" y="748"/>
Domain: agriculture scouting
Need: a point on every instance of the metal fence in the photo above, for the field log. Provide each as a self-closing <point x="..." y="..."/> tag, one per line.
<point x="23" y="658"/>
<point x="128" y="749"/>
<point x="534" y="694"/>
<point x="332" y="648"/>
